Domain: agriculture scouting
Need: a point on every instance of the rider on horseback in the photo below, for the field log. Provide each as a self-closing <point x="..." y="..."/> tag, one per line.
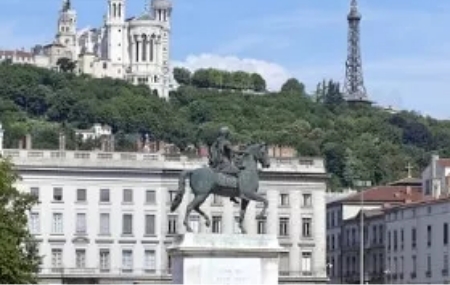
<point x="221" y="156"/>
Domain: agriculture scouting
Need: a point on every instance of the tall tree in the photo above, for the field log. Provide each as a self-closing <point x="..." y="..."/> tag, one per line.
<point x="292" y="85"/>
<point x="66" y="64"/>
<point x="258" y="82"/>
<point x="182" y="75"/>
<point x="19" y="258"/>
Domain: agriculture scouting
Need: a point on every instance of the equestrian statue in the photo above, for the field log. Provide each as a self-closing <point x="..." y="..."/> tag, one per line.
<point x="230" y="173"/>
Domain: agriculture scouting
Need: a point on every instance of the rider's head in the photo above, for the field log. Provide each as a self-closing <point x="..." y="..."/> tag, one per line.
<point x="224" y="132"/>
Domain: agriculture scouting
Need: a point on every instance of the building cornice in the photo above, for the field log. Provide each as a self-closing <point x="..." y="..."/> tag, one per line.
<point x="266" y="175"/>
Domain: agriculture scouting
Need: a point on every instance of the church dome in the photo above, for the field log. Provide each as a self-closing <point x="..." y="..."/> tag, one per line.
<point x="162" y="4"/>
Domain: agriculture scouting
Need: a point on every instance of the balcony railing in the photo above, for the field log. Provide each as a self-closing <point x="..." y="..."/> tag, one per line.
<point x="148" y="273"/>
<point x="23" y="157"/>
<point x="298" y="273"/>
<point x="97" y="271"/>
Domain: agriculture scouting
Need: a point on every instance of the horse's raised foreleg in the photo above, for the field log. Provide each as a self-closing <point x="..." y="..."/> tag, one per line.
<point x="205" y="216"/>
<point x="244" y="204"/>
<point x="258" y="198"/>
<point x="195" y="203"/>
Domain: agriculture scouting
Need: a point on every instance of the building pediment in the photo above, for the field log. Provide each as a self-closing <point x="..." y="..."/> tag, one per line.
<point x="80" y="240"/>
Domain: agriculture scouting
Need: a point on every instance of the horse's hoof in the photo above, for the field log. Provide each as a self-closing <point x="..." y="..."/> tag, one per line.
<point x="207" y="223"/>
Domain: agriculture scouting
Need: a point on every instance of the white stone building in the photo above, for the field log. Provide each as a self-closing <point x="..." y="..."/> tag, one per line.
<point x="136" y="49"/>
<point x="104" y="216"/>
<point x="417" y="250"/>
<point x="95" y="132"/>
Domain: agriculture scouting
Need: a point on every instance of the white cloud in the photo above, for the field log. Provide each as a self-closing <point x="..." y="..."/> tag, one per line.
<point x="274" y="74"/>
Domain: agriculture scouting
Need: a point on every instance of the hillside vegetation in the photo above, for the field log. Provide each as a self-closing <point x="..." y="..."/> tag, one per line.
<point x="357" y="143"/>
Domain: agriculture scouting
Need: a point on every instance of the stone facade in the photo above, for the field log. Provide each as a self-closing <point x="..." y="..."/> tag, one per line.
<point x="104" y="216"/>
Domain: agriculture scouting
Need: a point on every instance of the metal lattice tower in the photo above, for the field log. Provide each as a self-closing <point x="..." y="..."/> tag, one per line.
<point x="354" y="90"/>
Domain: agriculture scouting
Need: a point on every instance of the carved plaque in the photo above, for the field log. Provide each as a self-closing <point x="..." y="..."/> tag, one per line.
<point x="230" y="271"/>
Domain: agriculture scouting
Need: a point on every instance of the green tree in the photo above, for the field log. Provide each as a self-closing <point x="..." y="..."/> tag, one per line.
<point x="292" y="85"/>
<point x="66" y="64"/>
<point x="42" y="102"/>
<point x="182" y="75"/>
<point x="258" y="82"/>
<point x="201" y="78"/>
<point x="19" y="258"/>
<point x="241" y="80"/>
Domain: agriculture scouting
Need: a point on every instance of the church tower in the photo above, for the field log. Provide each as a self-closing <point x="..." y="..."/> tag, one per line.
<point x="162" y="12"/>
<point x="116" y="34"/>
<point x="67" y="27"/>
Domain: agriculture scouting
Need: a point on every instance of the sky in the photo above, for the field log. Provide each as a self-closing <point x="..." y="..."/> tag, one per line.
<point x="405" y="44"/>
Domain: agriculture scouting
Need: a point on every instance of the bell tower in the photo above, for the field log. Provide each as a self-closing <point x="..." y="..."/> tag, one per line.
<point x="115" y="23"/>
<point x="162" y="13"/>
<point x="67" y="27"/>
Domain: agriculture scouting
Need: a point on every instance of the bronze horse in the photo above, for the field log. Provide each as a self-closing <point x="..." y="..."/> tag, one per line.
<point x="205" y="181"/>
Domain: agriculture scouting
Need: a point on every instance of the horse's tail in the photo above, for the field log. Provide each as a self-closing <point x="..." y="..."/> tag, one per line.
<point x="181" y="190"/>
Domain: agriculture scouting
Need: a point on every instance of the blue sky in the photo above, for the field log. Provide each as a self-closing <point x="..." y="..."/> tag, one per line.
<point x="406" y="53"/>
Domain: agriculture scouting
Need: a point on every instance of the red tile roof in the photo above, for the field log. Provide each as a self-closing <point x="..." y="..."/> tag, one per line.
<point x="427" y="200"/>
<point x="444" y="162"/>
<point x="17" y="53"/>
<point x="411" y="181"/>
<point x="387" y="194"/>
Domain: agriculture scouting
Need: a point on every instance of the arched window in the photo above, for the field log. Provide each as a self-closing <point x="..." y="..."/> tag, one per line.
<point x="136" y="44"/>
<point x="144" y="47"/>
<point x="152" y="47"/>
<point x="114" y="10"/>
<point x="120" y="10"/>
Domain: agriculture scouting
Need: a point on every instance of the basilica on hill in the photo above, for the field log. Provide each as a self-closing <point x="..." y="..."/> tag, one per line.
<point x="136" y="49"/>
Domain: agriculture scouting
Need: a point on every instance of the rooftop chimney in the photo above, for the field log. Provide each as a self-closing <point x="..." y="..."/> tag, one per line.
<point x="434" y="160"/>
<point x="408" y="190"/>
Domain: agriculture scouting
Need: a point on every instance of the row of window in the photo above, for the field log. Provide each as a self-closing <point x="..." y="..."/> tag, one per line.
<point x="104" y="195"/>
<point x="352" y="237"/>
<point x="397" y="266"/>
<point x="150" y="196"/>
<point x="373" y="263"/>
<point x="81" y="228"/>
<point x="149" y="263"/>
<point x="305" y="265"/>
<point x="393" y="237"/>
<point x="104" y="260"/>
<point x="150" y="221"/>
<point x="333" y="219"/>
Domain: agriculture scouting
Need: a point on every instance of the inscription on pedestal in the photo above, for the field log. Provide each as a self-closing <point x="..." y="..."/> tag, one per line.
<point x="231" y="271"/>
<point x="234" y="241"/>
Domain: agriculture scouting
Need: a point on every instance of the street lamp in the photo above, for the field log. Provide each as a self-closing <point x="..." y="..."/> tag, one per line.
<point x="329" y="269"/>
<point x="362" y="184"/>
<point x="386" y="273"/>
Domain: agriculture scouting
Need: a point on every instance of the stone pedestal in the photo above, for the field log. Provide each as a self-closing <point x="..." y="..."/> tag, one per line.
<point x="225" y="259"/>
